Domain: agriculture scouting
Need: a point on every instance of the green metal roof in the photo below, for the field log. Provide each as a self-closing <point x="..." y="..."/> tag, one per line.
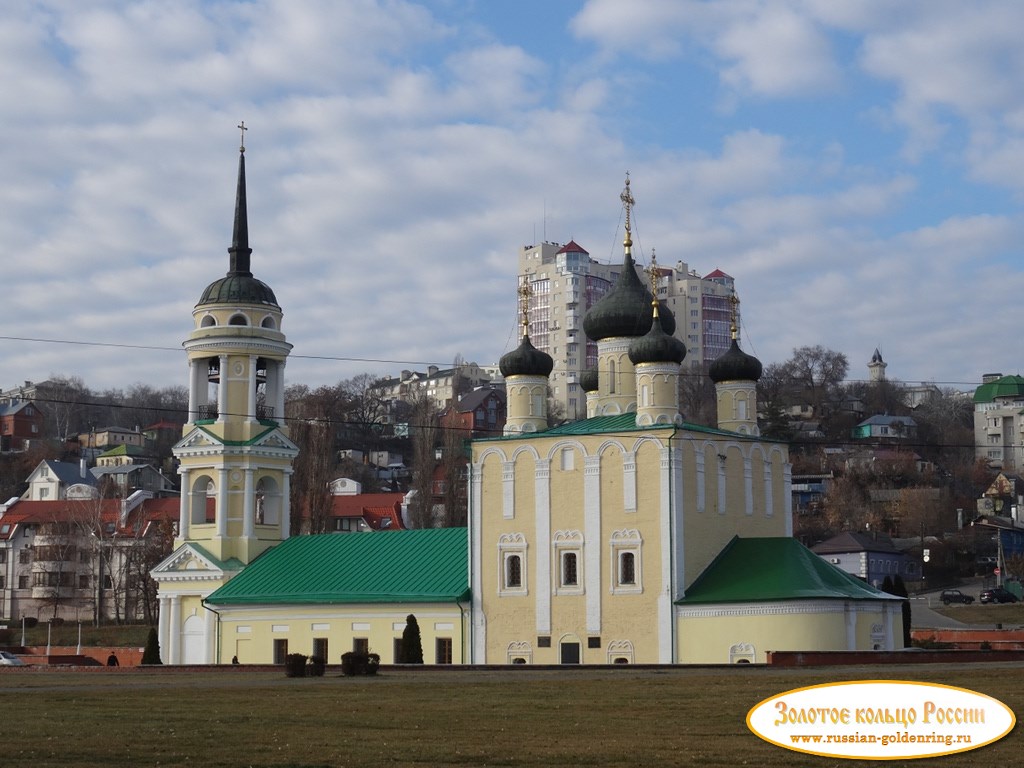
<point x="231" y="564"/>
<point x="622" y="422"/>
<point x="418" y="566"/>
<point x="778" y="568"/>
<point x="1006" y="386"/>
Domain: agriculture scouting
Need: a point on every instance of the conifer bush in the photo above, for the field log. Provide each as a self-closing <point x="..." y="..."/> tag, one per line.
<point x="151" y="653"/>
<point x="412" y="646"/>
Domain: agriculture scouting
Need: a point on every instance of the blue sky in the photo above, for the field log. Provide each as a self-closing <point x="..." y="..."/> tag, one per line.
<point x="857" y="167"/>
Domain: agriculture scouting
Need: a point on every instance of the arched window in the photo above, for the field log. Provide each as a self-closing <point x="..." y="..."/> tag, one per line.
<point x="238" y="320"/>
<point x="513" y="572"/>
<point x="627" y="568"/>
<point x="611" y="377"/>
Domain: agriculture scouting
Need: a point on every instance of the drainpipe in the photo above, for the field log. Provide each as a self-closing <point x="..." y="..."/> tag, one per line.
<point x="216" y="634"/>
<point x="671" y="550"/>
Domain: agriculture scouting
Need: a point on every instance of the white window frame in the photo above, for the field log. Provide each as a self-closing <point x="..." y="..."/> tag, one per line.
<point x="568" y="543"/>
<point x="512" y="545"/>
<point x="626" y="541"/>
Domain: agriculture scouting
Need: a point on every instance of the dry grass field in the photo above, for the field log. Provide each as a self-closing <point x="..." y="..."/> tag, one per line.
<point x="234" y="717"/>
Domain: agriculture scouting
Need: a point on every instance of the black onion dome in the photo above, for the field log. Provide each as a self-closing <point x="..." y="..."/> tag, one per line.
<point x="625" y="310"/>
<point x="526" y="360"/>
<point x="588" y="380"/>
<point x="657" y="347"/>
<point x="238" y="289"/>
<point x="735" y="365"/>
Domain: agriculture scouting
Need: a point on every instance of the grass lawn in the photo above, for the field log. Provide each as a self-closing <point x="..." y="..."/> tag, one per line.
<point x="130" y="636"/>
<point x="580" y="717"/>
<point x="1008" y="614"/>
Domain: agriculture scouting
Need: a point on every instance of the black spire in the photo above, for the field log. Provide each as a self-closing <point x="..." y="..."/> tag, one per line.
<point x="240" y="250"/>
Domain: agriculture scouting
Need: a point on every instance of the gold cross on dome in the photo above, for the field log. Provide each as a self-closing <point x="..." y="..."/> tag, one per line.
<point x="524" y="306"/>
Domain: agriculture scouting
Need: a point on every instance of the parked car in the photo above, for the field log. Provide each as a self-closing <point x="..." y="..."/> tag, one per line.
<point x="998" y="595"/>
<point x="10" y="660"/>
<point x="955" y="596"/>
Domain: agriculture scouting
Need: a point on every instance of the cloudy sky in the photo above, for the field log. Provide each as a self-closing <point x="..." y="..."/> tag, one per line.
<point x="858" y="167"/>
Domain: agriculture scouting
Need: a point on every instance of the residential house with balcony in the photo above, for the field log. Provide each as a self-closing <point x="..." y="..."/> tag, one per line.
<point x="999" y="421"/>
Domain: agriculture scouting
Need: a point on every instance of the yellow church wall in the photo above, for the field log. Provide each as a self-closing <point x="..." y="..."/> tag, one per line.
<point x="709" y="528"/>
<point x="511" y="614"/>
<point x="630" y="616"/>
<point x="250" y="633"/>
<point x="717" y="635"/>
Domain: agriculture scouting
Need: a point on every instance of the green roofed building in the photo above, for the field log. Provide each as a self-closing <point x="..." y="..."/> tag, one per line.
<point x="774" y="594"/>
<point x="328" y="594"/>
<point x="999" y="421"/>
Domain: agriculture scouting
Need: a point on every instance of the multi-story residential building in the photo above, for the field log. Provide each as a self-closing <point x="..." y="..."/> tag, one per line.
<point x="564" y="282"/>
<point x="21" y="422"/>
<point x="79" y="559"/>
<point x="443" y="386"/>
<point x="999" y="421"/>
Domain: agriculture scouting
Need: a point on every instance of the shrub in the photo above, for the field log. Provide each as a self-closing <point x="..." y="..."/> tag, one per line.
<point x="151" y="654"/>
<point x="30" y="622"/>
<point x="412" y="645"/>
<point x="295" y="665"/>
<point x="316" y="666"/>
<point x="56" y="621"/>
<point x="353" y="663"/>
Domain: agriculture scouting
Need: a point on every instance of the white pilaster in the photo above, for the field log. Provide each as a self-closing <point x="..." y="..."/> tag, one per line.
<point x="185" y="505"/>
<point x="222" y="389"/>
<point x="174" y="631"/>
<point x="249" y="505"/>
<point x="508" y="489"/>
<point x="542" y="499"/>
<point x="252" y="388"/>
<point x="286" y="505"/>
<point x="592" y="540"/>
<point x="222" y="500"/>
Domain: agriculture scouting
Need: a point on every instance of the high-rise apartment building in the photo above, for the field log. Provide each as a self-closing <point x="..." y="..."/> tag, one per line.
<point x="564" y="282"/>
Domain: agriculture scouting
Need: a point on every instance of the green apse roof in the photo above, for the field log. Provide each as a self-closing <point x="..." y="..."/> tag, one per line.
<point x="1006" y="386"/>
<point x="418" y="566"/>
<point x="777" y="568"/>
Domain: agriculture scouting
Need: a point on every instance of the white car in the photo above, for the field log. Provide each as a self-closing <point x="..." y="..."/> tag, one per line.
<point x="10" y="660"/>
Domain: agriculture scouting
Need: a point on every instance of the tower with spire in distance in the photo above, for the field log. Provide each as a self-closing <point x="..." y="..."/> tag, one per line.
<point x="876" y="368"/>
<point x="235" y="457"/>
<point x="735" y="375"/>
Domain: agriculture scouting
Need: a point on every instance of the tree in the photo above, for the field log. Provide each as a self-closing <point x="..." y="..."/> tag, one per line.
<point x="423" y="432"/>
<point x="819" y="372"/>
<point x="412" y="645"/>
<point x="311" y="425"/>
<point x="365" y="406"/>
<point x="697" y="399"/>
<point x="151" y="653"/>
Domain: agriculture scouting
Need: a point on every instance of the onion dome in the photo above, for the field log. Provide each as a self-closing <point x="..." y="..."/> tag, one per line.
<point x="589" y="380"/>
<point x="239" y="286"/>
<point x="526" y="360"/>
<point x="657" y="347"/>
<point x="626" y="309"/>
<point x="734" y="365"/>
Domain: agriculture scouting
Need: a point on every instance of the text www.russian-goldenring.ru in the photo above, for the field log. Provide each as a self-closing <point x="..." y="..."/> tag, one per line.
<point x="885" y="739"/>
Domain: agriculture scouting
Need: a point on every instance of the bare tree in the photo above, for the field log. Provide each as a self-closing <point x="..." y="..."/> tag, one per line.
<point x="424" y="435"/>
<point x="818" y="371"/>
<point x="311" y="425"/>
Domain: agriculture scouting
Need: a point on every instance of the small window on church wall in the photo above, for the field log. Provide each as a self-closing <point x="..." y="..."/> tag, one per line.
<point x="268" y="322"/>
<point x="536" y="405"/>
<point x="627" y="568"/>
<point x="741" y="409"/>
<point x="645" y="395"/>
<point x="611" y="377"/>
<point x="238" y="320"/>
<point x="513" y="572"/>
<point x="208" y="321"/>
<point x="570" y="576"/>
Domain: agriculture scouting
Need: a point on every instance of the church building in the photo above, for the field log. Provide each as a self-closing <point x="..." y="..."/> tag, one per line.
<point x="585" y="538"/>
<point x="630" y="536"/>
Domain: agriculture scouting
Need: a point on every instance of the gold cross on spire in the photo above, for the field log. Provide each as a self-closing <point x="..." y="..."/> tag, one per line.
<point x="524" y="307"/>
<point x="242" y="127"/>
<point x="734" y="327"/>
<point x="652" y="275"/>
<point x="627" y="200"/>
